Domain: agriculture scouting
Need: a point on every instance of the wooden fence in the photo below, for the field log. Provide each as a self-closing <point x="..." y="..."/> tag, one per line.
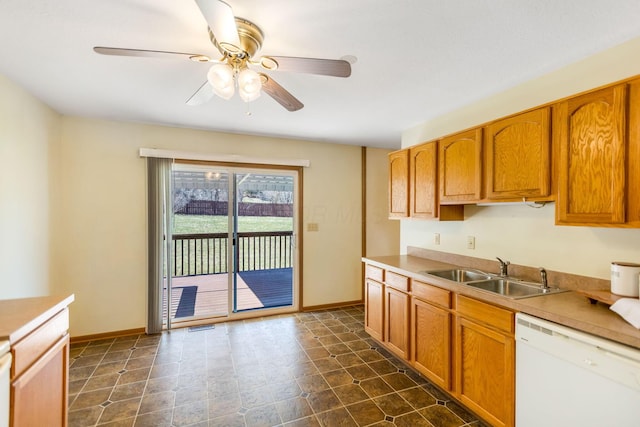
<point x="210" y="207"/>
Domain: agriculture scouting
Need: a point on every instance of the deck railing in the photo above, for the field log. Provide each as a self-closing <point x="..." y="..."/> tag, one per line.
<point x="198" y="254"/>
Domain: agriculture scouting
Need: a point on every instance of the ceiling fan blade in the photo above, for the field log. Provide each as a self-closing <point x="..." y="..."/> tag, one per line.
<point x="222" y="23"/>
<point x="280" y="94"/>
<point x="117" y="51"/>
<point x="326" y="67"/>
<point x="202" y="95"/>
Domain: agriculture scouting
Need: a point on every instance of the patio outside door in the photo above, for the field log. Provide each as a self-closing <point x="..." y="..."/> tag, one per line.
<point x="233" y="234"/>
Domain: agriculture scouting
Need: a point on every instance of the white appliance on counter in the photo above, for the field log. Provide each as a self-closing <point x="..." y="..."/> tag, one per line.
<point x="567" y="378"/>
<point x="5" y="367"/>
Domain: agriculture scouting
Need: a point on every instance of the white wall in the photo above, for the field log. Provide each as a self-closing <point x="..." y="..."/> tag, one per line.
<point x="383" y="234"/>
<point x="520" y="234"/>
<point x="29" y="132"/>
<point x="100" y="243"/>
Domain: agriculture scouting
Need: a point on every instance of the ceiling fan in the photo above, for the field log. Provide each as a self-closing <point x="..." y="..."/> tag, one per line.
<point x="238" y="41"/>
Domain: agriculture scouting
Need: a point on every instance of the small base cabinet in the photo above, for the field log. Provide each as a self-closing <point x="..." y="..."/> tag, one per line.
<point x="38" y="333"/>
<point x="374" y="301"/>
<point x="374" y="309"/>
<point x="485" y="360"/>
<point x="431" y="333"/>
<point x="396" y="313"/>
<point x="397" y="321"/>
<point x="39" y="395"/>
<point x="386" y="309"/>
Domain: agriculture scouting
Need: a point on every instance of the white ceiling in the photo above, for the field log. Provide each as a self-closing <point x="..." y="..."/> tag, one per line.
<point x="416" y="59"/>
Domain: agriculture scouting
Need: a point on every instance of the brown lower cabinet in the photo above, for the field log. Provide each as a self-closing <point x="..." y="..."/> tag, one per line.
<point x="38" y="333"/>
<point x="431" y="341"/>
<point x="463" y="345"/>
<point x="485" y="360"/>
<point x="374" y="315"/>
<point x="39" y="395"/>
<point x="431" y="332"/>
<point x="397" y="321"/>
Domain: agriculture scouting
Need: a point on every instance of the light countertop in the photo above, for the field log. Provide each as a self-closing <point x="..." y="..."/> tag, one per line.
<point x="20" y="316"/>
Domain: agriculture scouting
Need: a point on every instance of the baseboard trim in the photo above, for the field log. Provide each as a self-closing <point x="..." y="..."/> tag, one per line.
<point x="334" y="305"/>
<point x="107" y="335"/>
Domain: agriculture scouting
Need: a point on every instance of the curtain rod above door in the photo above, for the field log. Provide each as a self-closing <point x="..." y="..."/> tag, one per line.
<point x="229" y="158"/>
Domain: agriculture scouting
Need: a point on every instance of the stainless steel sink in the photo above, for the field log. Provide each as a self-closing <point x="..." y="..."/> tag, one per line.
<point x="508" y="287"/>
<point x="513" y="288"/>
<point x="459" y="275"/>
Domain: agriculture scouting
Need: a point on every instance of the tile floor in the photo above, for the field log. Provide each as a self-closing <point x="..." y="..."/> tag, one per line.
<point x="305" y="369"/>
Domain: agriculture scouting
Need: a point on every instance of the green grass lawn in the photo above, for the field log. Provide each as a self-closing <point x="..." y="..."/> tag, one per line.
<point x="193" y="224"/>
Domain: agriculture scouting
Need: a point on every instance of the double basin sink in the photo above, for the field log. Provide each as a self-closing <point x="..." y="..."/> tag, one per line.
<point x="505" y="286"/>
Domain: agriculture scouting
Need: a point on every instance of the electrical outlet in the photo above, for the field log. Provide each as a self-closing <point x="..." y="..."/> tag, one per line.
<point x="471" y="242"/>
<point x="436" y="239"/>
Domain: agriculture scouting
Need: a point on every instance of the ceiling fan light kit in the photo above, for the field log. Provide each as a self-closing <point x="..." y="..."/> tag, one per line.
<point x="239" y="40"/>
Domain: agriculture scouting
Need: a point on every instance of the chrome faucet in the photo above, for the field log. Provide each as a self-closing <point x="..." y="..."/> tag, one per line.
<point x="503" y="267"/>
<point x="543" y="279"/>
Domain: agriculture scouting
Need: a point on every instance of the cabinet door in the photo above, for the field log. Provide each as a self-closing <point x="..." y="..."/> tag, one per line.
<point x="431" y="342"/>
<point x="397" y="322"/>
<point x="423" y="164"/>
<point x="399" y="184"/>
<point x="374" y="309"/>
<point x="461" y="167"/>
<point x="517" y="157"/>
<point x="590" y="132"/>
<point x="39" y="395"/>
<point x="484" y="366"/>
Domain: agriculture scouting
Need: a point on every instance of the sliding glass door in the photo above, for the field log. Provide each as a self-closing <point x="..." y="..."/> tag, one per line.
<point x="233" y="242"/>
<point x="264" y="240"/>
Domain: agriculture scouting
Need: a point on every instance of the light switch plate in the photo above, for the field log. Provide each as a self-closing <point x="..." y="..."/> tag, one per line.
<point x="471" y="242"/>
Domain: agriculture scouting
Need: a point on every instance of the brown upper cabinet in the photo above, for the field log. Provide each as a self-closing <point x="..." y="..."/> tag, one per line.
<point x="461" y="167"/>
<point x="583" y="152"/>
<point x="423" y="186"/>
<point x="591" y="132"/>
<point x="399" y="184"/>
<point x="517" y="162"/>
<point x="423" y="180"/>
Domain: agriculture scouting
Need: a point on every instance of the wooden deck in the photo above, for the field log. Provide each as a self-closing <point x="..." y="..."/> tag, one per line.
<point x="207" y="295"/>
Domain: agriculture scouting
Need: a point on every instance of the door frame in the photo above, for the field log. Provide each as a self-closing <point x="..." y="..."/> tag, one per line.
<point x="297" y="274"/>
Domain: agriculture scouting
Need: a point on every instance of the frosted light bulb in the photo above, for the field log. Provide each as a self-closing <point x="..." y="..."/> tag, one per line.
<point x="220" y="77"/>
<point x="249" y="85"/>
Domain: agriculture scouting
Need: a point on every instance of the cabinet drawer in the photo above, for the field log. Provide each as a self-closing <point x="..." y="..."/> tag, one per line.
<point x="431" y="293"/>
<point x="485" y="313"/>
<point x="397" y="281"/>
<point x="34" y="345"/>
<point x="373" y="272"/>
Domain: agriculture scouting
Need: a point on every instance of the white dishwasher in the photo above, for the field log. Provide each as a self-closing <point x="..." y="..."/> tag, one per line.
<point x="5" y="367"/>
<point x="567" y="378"/>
